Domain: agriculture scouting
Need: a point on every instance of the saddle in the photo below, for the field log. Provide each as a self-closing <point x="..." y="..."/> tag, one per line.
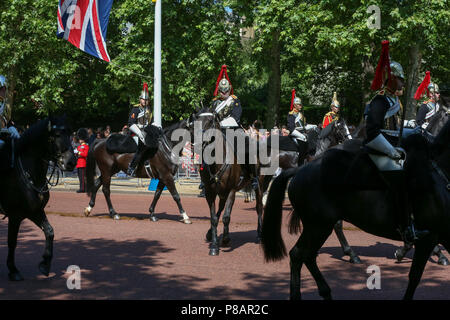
<point x="119" y="143"/>
<point x="349" y="167"/>
<point x="285" y="144"/>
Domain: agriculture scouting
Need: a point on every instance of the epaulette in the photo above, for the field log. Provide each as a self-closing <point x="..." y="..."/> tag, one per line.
<point x="233" y="96"/>
<point x="215" y="98"/>
<point x="292" y="112"/>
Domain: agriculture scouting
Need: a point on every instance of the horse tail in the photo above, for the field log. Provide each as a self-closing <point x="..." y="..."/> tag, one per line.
<point x="271" y="239"/>
<point x="90" y="170"/>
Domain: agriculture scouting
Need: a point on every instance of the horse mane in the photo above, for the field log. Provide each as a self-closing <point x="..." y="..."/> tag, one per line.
<point x="168" y="130"/>
<point x="442" y="139"/>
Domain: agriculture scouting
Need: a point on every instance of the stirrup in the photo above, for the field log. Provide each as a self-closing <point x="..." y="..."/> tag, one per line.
<point x="131" y="172"/>
<point x="410" y="235"/>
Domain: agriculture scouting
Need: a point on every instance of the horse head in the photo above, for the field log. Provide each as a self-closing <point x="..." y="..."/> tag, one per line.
<point x="340" y="131"/>
<point x="60" y="146"/>
<point x="438" y="121"/>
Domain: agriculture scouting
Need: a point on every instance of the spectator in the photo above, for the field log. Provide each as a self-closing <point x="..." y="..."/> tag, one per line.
<point x="91" y="136"/>
<point x="284" y="131"/>
<point x="82" y="152"/>
<point x="75" y="142"/>
<point x="99" y="133"/>
<point x="125" y="130"/>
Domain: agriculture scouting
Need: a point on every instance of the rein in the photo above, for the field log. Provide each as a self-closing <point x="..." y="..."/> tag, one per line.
<point x="55" y="169"/>
<point x="215" y="177"/>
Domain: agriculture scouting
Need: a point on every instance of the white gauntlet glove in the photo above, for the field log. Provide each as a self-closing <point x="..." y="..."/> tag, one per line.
<point x="135" y="129"/>
<point x="381" y="144"/>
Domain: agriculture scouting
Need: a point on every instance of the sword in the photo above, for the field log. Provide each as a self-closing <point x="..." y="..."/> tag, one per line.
<point x="401" y="126"/>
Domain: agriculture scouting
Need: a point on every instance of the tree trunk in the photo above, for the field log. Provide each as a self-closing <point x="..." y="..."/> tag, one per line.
<point x="274" y="87"/>
<point x="11" y="80"/>
<point x="415" y="57"/>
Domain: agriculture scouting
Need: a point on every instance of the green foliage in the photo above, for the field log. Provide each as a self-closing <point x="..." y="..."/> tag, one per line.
<point x="325" y="46"/>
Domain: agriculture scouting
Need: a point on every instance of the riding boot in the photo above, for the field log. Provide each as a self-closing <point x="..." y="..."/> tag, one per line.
<point x="132" y="166"/>
<point x="131" y="171"/>
<point x="407" y="230"/>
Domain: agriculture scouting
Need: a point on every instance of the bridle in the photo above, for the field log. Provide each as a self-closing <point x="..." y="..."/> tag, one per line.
<point x="53" y="161"/>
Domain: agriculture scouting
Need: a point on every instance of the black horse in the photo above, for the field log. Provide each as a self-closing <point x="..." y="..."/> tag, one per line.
<point x="25" y="186"/>
<point x="435" y="125"/>
<point x="438" y="121"/>
<point x="364" y="203"/>
<point x="318" y="142"/>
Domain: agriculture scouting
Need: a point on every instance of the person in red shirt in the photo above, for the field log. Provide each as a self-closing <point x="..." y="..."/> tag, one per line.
<point x="82" y="152"/>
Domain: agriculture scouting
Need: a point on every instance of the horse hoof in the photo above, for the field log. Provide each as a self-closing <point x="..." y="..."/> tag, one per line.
<point x="443" y="261"/>
<point x="187" y="221"/>
<point x="16" y="276"/>
<point x="355" y="260"/>
<point x="153" y="218"/>
<point x="44" y="269"/>
<point x="398" y="255"/>
<point x="116" y="217"/>
<point x="213" y="252"/>
<point x="87" y="212"/>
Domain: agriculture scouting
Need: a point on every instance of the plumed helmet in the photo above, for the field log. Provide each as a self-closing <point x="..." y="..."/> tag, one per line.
<point x="224" y="85"/>
<point x="297" y="100"/>
<point x="397" y="70"/>
<point x="2" y="81"/>
<point x="82" y="134"/>
<point x="335" y="102"/>
<point x="144" y="94"/>
<point x="433" y="88"/>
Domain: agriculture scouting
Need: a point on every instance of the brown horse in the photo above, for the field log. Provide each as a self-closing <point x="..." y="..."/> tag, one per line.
<point x="160" y="165"/>
<point x="223" y="180"/>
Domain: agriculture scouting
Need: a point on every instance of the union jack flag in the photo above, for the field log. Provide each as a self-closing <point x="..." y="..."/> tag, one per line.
<point x="84" y="24"/>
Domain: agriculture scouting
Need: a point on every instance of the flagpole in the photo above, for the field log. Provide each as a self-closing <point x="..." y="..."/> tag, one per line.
<point x="157" y="67"/>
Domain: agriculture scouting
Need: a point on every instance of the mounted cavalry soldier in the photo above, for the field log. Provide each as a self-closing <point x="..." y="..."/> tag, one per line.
<point x="381" y="114"/>
<point x="229" y="110"/>
<point x="140" y="117"/>
<point x="296" y="121"/>
<point x="226" y="104"/>
<point x="431" y="106"/>
<point x="333" y="115"/>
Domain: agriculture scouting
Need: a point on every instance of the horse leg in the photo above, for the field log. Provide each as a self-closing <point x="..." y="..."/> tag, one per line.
<point x="259" y="211"/>
<point x="348" y="251"/>
<point x="227" y="218"/>
<point x="88" y="209"/>
<point x="214" y="246"/>
<point x="42" y="222"/>
<point x="13" y="231"/>
<point x="158" y="191"/>
<point x="442" y="260"/>
<point x="422" y="253"/>
<point x="176" y="197"/>
<point x="402" y="251"/>
<point x="305" y="251"/>
<point x="106" y="181"/>
<point x="219" y="212"/>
